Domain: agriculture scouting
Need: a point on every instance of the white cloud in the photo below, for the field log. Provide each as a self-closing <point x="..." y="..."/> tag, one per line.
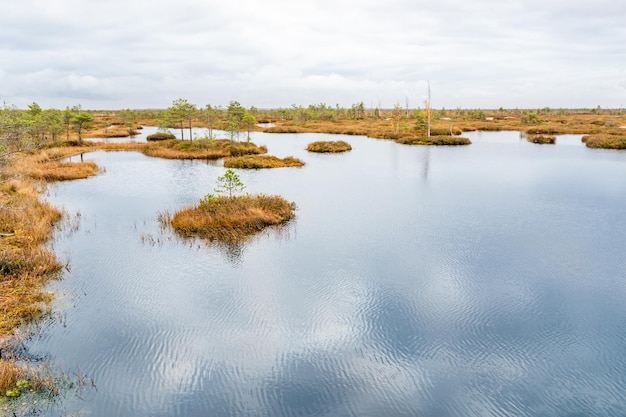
<point x="511" y="53"/>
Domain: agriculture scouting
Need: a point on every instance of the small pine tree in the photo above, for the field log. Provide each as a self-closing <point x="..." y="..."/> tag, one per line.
<point x="229" y="183"/>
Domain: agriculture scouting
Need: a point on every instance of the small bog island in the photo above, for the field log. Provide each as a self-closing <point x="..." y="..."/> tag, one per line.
<point x="329" y="146"/>
<point x="230" y="218"/>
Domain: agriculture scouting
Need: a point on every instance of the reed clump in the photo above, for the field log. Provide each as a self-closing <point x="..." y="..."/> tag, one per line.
<point x="202" y="149"/>
<point x="542" y="139"/>
<point x="434" y="140"/>
<point x="605" y="141"/>
<point x="329" y="146"/>
<point x="262" y="161"/>
<point x="230" y="218"/>
<point x="17" y="379"/>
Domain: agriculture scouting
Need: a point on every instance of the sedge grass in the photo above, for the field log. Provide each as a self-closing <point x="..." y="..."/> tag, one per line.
<point x="605" y="141"/>
<point x="434" y="140"/>
<point x="46" y="165"/>
<point x="329" y="146"/>
<point x="230" y="218"/>
<point x="542" y="139"/>
<point x="201" y="149"/>
<point x="262" y="161"/>
<point x="160" y="136"/>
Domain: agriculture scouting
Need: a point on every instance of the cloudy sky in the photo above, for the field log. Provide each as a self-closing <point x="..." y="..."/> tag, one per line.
<point x="274" y="53"/>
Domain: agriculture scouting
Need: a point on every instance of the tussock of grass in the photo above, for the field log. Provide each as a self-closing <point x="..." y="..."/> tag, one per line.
<point x="542" y="139"/>
<point x="329" y="146"/>
<point x="262" y="161"/>
<point x="230" y="218"/>
<point x="605" y="141"/>
<point x="202" y="149"/>
<point x="17" y="379"/>
<point x="160" y="136"/>
<point x="434" y="140"/>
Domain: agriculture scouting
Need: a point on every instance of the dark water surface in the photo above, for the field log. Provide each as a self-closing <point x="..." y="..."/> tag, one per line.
<point x="486" y="280"/>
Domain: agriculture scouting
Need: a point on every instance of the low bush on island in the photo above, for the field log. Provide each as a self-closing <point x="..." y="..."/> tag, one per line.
<point x="434" y="140"/>
<point x="202" y="149"/>
<point x="329" y="146"/>
<point x="605" y="141"/>
<point x="262" y="161"/>
<point x="542" y="139"/>
<point x="230" y="218"/>
<point x="160" y="136"/>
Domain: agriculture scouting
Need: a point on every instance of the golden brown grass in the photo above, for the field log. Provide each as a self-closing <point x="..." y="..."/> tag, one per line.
<point x="434" y="140"/>
<point x="605" y="141"/>
<point x="553" y="122"/>
<point x="201" y="149"/>
<point x="160" y="136"/>
<point x="46" y="165"/>
<point x="20" y="378"/>
<point x="230" y="218"/>
<point x="542" y="139"/>
<point x="113" y="132"/>
<point x="329" y="146"/>
<point x="25" y="264"/>
<point x="262" y="161"/>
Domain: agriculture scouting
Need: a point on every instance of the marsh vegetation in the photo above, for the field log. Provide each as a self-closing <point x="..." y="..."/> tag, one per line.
<point x="35" y="143"/>
<point x="230" y="218"/>
<point x="434" y="140"/>
<point x="262" y="162"/>
<point x="201" y="149"/>
<point x="329" y="146"/>
<point x="605" y="141"/>
<point x="542" y="139"/>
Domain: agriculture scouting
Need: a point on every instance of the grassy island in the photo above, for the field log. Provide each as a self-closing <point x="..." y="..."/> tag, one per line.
<point x="329" y="146"/>
<point x="201" y="149"/>
<point x="542" y="139"/>
<point x="230" y="218"/>
<point x="160" y="136"/>
<point x="262" y="161"/>
<point x="605" y="141"/>
<point x="433" y="140"/>
<point x="47" y="165"/>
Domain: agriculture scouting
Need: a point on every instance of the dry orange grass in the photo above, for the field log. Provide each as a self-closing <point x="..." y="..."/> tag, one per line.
<point x="434" y="140"/>
<point x="45" y="165"/>
<point x="201" y="149"/>
<point x="23" y="378"/>
<point x="605" y="141"/>
<point x="25" y="265"/>
<point x="262" y="161"/>
<point x="113" y="132"/>
<point x="231" y="219"/>
<point x="542" y="139"/>
<point x="329" y="146"/>
<point x="555" y="122"/>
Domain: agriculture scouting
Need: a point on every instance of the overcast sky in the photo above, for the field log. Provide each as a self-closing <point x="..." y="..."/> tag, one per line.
<point x="116" y="54"/>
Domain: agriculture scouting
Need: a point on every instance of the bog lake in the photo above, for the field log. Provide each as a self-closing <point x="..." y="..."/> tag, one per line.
<point x="481" y="280"/>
